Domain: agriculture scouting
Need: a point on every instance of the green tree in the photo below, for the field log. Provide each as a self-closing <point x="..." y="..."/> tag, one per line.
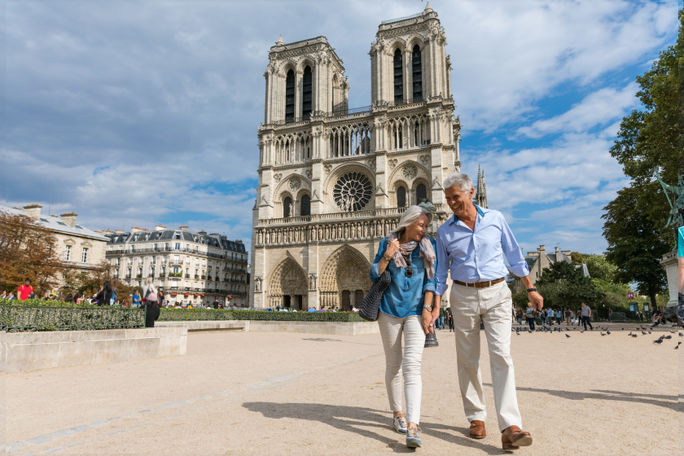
<point x="634" y="243"/>
<point x="650" y="139"/>
<point x="564" y="285"/>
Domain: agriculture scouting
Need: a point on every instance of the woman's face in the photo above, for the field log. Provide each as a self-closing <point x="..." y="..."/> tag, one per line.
<point x="416" y="230"/>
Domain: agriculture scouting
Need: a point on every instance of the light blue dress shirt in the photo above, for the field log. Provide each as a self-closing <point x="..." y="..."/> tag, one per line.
<point x="405" y="295"/>
<point x="477" y="256"/>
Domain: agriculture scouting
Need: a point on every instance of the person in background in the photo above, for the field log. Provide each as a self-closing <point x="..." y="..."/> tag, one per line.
<point x="151" y="303"/>
<point x="529" y="315"/>
<point x="25" y="290"/>
<point x="135" y="301"/>
<point x="586" y="316"/>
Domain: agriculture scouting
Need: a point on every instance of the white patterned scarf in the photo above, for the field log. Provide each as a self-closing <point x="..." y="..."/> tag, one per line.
<point x="427" y="253"/>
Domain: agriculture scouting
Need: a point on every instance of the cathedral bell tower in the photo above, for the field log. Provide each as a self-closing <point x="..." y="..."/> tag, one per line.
<point x="334" y="180"/>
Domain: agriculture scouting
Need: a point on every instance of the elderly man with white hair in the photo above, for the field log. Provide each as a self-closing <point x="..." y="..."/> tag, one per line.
<point x="473" y="246"/>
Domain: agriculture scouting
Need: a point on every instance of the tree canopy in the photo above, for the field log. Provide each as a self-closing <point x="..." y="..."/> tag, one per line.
<point x="649" y="140"/>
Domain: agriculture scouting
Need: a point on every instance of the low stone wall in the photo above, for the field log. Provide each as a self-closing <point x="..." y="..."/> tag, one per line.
<point x="315" y="327"/>
<point x="205" y="325"/>
<point x="25" y="351"/>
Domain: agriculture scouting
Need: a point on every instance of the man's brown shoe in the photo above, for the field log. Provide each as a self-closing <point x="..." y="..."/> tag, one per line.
<point x="513" y="437"/>
<point x="477" y="429"/>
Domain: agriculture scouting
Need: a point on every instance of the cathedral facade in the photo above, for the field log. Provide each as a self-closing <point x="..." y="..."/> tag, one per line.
<point x="333" y="181"/>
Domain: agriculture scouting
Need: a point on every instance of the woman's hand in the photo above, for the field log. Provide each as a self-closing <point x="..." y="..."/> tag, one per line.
<point x="392" y="248"/>
<point x="428" y="321"/>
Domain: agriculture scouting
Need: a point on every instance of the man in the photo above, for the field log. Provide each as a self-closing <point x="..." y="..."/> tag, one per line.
<point x="586" y="316"/>
<point x="24" y="291"/>
<point x="472" y="246"/>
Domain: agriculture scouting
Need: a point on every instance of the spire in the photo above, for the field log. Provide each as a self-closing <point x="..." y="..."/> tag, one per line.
<point x="280" y="41"/>
<point x="481" y="192"/>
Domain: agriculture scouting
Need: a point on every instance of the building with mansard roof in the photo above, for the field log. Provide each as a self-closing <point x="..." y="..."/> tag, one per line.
<point x="79" y="248"/>
<point x="333" y="180"/>
<point x="191" y="268"/>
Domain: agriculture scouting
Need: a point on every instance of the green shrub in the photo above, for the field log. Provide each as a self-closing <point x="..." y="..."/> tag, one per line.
<point x="37" y="315"/>
<point x="226" y="314"/>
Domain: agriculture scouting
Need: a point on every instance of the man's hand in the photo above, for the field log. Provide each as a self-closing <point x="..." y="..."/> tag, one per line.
<point x="428" y="321"/>
<point x="536" y="299"/>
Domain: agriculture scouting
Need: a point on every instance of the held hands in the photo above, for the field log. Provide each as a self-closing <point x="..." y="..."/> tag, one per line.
<point x="428" y="321"/>
<point x="392" y="248"/>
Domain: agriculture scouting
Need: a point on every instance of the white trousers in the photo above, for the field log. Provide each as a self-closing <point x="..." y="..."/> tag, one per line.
<point x="406" y="361"/>
<point x="492" y="305"/>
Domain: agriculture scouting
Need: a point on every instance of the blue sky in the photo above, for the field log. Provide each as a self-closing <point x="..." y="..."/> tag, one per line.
<point x="138" y="113"/>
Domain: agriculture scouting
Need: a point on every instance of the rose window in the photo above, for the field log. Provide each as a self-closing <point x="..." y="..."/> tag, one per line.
<point x="352" y="192"/>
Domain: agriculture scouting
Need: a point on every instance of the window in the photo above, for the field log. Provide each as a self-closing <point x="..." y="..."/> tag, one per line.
<point x="417" y="75"/>
<point x="287" y="207"/>
<point x="289" y="96"/>
<point x="398" y="78"/>
<point x="352" y="192"/>
<point x="401" y="197"/>
<point x="67" y="253"/>
<point x="306" y="93"/>
<point x="305" y="205"/>
<point x="84" y="256"/>
<point x="177" y="247"/>
<point x="421" y="193"/>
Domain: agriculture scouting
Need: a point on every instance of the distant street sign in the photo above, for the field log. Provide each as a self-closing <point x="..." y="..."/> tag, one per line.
<point x="630" y="295"/>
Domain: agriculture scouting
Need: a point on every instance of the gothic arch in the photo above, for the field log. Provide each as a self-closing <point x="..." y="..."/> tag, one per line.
<point x="292" y="184"/>
<point x="407" y="175"/>
<point x="344" y="273"/>
<point x="288" y="286"/>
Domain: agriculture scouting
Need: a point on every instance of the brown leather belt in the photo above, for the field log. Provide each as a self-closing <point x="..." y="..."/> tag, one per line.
<point x="486" y="284"/>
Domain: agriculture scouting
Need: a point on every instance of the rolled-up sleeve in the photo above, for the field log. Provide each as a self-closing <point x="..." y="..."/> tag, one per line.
<point x="374" y="274"/>
<point x="430" y="284"/>
<point x="442" y="268"/>
<point x="512" y="251"/>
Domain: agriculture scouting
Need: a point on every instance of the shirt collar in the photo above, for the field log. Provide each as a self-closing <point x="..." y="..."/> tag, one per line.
<point x="479" y="210"/>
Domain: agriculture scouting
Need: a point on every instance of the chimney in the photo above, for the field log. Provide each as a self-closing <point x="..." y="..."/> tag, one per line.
<point x="33" y="210"/>
<point x="557" y="251"/>
<point x="119" y="231"/>
<point x="542" y="248"/>
<point x="159" y="228"/>
<point x="69" y="218"/>
<point x="183" y="227"/>
<point x="136" y="229"/>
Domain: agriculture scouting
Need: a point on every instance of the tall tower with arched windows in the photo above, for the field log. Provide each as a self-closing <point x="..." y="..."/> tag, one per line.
<point x="334" y="180"/>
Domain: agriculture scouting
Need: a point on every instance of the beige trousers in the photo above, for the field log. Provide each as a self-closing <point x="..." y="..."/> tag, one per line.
<point x="492" y="305"/>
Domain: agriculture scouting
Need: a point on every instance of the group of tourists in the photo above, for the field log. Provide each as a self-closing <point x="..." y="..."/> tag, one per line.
<point x="550" y="316"/>
<point x="470" y="247"/>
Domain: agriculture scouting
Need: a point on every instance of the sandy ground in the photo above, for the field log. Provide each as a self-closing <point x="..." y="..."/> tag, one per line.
<point x="237" y="393"/>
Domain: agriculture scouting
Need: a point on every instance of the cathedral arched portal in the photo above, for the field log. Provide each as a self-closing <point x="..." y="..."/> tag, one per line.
<point x="344" y="279"/>
<point x="288" y="286"/>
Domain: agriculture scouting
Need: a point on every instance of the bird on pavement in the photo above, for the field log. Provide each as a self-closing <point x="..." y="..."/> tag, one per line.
<point x="567" y="335"/>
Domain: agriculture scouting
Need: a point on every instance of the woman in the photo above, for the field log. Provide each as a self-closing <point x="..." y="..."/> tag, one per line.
<point x="406" y="309"/>
<point x="151" y="303"/>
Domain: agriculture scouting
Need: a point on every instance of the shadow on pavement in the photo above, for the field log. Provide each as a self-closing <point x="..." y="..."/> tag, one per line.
<point x="358" y="420"/>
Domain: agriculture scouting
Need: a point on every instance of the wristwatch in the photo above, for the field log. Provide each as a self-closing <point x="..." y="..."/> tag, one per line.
<point x="429" y="308"/>
<point x="530" y="290"/>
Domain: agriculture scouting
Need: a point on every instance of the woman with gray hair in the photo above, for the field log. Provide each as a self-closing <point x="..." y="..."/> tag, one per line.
<point x="408" y="253"/>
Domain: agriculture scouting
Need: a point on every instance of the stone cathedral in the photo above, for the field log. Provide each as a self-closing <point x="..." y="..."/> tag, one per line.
<point x="333" y="180"/>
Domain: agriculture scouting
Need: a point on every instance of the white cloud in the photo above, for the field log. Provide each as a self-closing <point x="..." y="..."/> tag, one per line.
<point x="597" y="108"/>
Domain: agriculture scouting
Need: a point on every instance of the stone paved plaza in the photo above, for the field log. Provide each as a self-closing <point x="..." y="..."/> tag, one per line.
<point x="242" y="393"/>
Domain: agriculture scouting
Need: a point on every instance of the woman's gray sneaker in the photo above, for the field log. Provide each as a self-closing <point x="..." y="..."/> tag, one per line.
<point x="413" y="439"/>
<point x="400" y="424"/>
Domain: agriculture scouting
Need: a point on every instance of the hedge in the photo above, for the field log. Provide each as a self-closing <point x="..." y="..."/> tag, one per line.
<point x="38" y="315"/>
<point x="170" y="314"/>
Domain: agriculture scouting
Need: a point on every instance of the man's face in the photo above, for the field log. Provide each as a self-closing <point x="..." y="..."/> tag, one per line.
<point x="27" y="283"/>
<point x="458" y="200"/>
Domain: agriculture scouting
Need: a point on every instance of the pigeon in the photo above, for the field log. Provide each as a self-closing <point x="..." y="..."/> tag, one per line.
<point x="658" y="341"/>
<point x="678" y="344"/>
<point x="607" y="331"/>
<point x="634" y="335"/>
<point x="681" y="334"/>
<point x="567" y="335"/>
<point x="667" y="337"/>
<point x="643" y="332"/>
<point x="672" y="331"/>
<point x="602" y="333"/>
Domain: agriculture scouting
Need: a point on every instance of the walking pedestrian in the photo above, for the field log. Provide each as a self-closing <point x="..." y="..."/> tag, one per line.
<point x="472" y="246"/>
<point x="406" y="310"/>
<point x="586" y="316"/>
